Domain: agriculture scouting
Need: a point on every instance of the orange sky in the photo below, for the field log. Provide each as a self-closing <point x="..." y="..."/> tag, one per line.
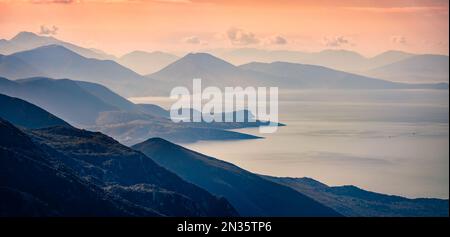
<point x="119" y="26"/>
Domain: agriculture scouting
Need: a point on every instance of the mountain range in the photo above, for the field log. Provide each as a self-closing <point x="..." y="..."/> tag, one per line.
<point x="391" y="65"/>
<point x="356" y="202"/>
<point x="146" y="62"/>
<point x="216" y="72"/>
<point x="28" y="40"/>
<point x="84" y="173"/>
<point x="58" y="61"/>
<point x="337" y="59"/>
<point x="248" y="193"/>
<point x="61" y="99"/>
<point x="251" y="194"/>
<point x="293" y="75"/>
<point x="111" y="179"/>
<point x="95" y="107"/>
<point x="417" y="69"/>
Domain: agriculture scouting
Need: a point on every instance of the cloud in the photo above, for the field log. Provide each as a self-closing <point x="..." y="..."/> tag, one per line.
<point x="48" y="31"/>
<point x="240" y="37"/>
<point x="278" y="40"/>
<point x="192" y="40"/>
<point x="398" y="39"/>
<point x="337" y="41"/>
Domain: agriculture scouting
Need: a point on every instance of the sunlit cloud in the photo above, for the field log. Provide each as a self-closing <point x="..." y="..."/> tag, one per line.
<point x="44" y="30"/>
<point x="398" y="39"/>
<point x="278" y="40"/>
<point x="240" y="37"/>
<point x="337" y="41"/>
<point x="192" y="40"/>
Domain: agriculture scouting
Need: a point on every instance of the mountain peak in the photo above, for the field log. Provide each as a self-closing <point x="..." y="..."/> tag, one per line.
<point x="394" y="53"/>
<point x="202" y="57"/>
<point x="157" y="141"/>
<point x="25" y="35"/>
<point x="341" y="52"/>
<point x="24" y="114"/>
<point x="52" y="49"/>
<point x="204" y="60"/>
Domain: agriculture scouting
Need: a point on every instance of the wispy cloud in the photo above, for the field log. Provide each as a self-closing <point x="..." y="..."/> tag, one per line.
<point x="44" y="30"/>
<point x="241" y="37"/>
<point x="398" y="39"/>
<point x="192" y="40"/>
<point x="337" y="41"/>
<point x="278" y="40"/>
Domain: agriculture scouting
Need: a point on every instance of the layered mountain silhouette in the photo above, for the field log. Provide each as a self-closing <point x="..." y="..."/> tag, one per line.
<point x="33" y="183"/>
<point x="250" y="194"/>
<point x="24" y="114"/>
<point x="212" y="70"/>
<point x="310" y="76"/>
<point x="84" y="173"/>
<point x="386" y="58"/>
<point x="56" y="61"/>
<point x="418" y="69"/>
<point x="29" y="40"/>
<point x="95" y="107"/>
<point x="99" y="67"/>
<point x="64" y="98"/>
<point x="344" y="60"/>
<point x="14" y="67"/>
<point x="146" y="62"/>
<point x="353" y="201"/>
<point x="391" y="65"/>
<point x="217" y="72"/>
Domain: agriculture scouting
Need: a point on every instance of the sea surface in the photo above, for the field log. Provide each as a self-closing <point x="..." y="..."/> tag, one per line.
<point x="388" y="141"/>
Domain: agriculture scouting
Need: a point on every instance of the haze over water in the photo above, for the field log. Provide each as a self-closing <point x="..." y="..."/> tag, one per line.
<point x="388" y="141"/>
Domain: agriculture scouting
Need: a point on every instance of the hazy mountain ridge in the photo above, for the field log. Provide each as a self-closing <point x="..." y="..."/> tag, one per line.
<point x="317" y="77"/>
<point x="353" y="201"/>
<point x="28" y="40"/>
<point x="344" y="60"/>
<point x="95" y="107"/>
<point x="212" y="70"/>
<point x="421" y="68"/>
<point x="146" y="62"/>
<point x="23" y="114"/>
<point x="104" y="172"/>
<point x="385" y="65"/>
<point x="61" y="97"/>
<point x="123" y="182"/>
<point x="103" y="160"/>
<point x="57" y="191"/>
<point x="56" y="61"/>
<point x="217" y="72"/>
<point x="247" y="192"/>
<point x="226" y="179"/>
<point x="14" y="67"/>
